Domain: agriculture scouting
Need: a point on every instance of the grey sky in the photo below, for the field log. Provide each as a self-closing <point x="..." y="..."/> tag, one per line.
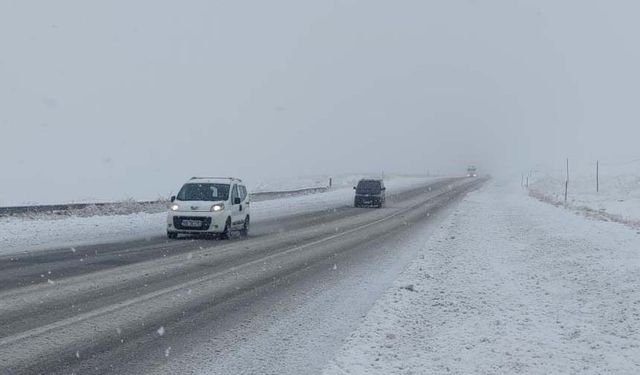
<point x="121" y="98"/>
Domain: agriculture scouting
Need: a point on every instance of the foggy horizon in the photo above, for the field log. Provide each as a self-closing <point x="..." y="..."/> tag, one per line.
<point x="119" y="99"/>
<point x="404" y="187"/>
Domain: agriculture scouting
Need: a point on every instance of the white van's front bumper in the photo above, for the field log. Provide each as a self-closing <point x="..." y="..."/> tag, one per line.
<point x="210" y="222"/>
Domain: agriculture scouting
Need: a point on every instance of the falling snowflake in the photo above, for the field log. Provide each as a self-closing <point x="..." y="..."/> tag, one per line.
<point x="50" y="281"/>
<point x="335" y="266"/>
<point x="77" y="354"/>
<point x="73" y="249"/>
<point x="161" y="331"/>
<point x="167" y="351"/>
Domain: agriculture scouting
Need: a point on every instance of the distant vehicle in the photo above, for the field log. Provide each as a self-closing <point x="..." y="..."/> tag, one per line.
<point x="210" y="205"/>
<point x="471" y="171"/>
<point x="370" y="192"/>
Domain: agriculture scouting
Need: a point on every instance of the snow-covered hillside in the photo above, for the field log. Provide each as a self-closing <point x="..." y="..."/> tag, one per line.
<point x="618" y="198"/>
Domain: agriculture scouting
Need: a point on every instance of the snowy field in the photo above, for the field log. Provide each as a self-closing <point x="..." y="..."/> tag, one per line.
<point x="618" y="198"/>
<point x="283" y="184"/>
<point x="46" y="231"/>
<point x="507" y="285"/>
<point x="339" y="181"/>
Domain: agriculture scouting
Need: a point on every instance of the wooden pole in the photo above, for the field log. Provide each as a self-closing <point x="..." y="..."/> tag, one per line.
<point x="566" y="184"/>
<point x="597" y="176"/>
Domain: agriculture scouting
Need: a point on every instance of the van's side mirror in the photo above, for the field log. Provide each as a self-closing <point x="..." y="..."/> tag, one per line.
<point x="173" y="198"/>
<point x="383" y="189"/>
<point x="237" y="201"/>
<point x="354" y="188"/>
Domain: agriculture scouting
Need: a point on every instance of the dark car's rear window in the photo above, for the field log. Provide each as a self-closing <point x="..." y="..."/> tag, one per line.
<point x="368" y="186"/>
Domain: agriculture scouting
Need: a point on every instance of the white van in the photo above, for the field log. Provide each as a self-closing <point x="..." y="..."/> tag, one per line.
<point x="210" y="205"/>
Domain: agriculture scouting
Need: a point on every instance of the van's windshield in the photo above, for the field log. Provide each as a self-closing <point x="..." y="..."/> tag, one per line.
<point x="368" y="187"/>
<point x="204" y="192"/>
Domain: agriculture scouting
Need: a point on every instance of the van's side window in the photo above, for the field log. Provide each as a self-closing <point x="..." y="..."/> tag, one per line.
<point x="243" y="193"/>
<point x="234" y="194"/>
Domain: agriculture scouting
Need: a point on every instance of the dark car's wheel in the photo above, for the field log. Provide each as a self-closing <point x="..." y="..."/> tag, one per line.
<point x="172" y="235"/>
<point x="244" y="232"/>
<point x="226" y="233"/>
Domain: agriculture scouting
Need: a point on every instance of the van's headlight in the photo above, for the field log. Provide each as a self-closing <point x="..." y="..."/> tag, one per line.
<point x="217" y="207"/>
<point x="174" y="207"/>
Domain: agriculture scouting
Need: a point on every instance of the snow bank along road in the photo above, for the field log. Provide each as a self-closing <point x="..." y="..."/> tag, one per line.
<point x="120" y="307"/>
<point x="507" y="285"/>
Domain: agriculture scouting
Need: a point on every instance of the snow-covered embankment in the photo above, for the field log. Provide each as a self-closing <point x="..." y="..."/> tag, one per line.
<point x="508" y="285"/>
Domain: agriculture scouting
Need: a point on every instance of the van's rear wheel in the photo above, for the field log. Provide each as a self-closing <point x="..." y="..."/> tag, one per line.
<point x="244" y="232"/>
<point x="226" y="233"/>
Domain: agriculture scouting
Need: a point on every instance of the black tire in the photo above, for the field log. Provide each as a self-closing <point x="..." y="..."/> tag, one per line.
<point x="244" y="232"/>
<point x="226" y="233"/>
<point x="172" y="235"/>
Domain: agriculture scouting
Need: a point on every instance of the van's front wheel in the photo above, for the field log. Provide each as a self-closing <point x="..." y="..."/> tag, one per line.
<point x="226" y="233"/>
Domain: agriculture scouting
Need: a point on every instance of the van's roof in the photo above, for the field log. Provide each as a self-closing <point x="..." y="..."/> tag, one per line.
<point x="214" y="180"/>
<point x="371" y="179"/>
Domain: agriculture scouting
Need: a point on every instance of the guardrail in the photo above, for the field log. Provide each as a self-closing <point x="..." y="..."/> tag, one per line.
<point x="140" y="205"/>
<point x="270" y="195"/>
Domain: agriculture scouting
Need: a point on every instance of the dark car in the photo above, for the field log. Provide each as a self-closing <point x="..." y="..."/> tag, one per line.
<point x="370" y="193"/>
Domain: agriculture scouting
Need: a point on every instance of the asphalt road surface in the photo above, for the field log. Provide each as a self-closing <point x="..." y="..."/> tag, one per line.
<point x="279" y="301"/>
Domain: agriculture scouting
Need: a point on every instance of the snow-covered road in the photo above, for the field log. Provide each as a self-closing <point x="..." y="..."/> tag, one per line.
<point x="504" y="284"/>
<point x="147" y="306"/>
<point x="508" y="285"/>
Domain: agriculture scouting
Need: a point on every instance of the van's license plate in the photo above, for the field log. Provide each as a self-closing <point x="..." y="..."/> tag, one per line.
<point x="192" y="223"/>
